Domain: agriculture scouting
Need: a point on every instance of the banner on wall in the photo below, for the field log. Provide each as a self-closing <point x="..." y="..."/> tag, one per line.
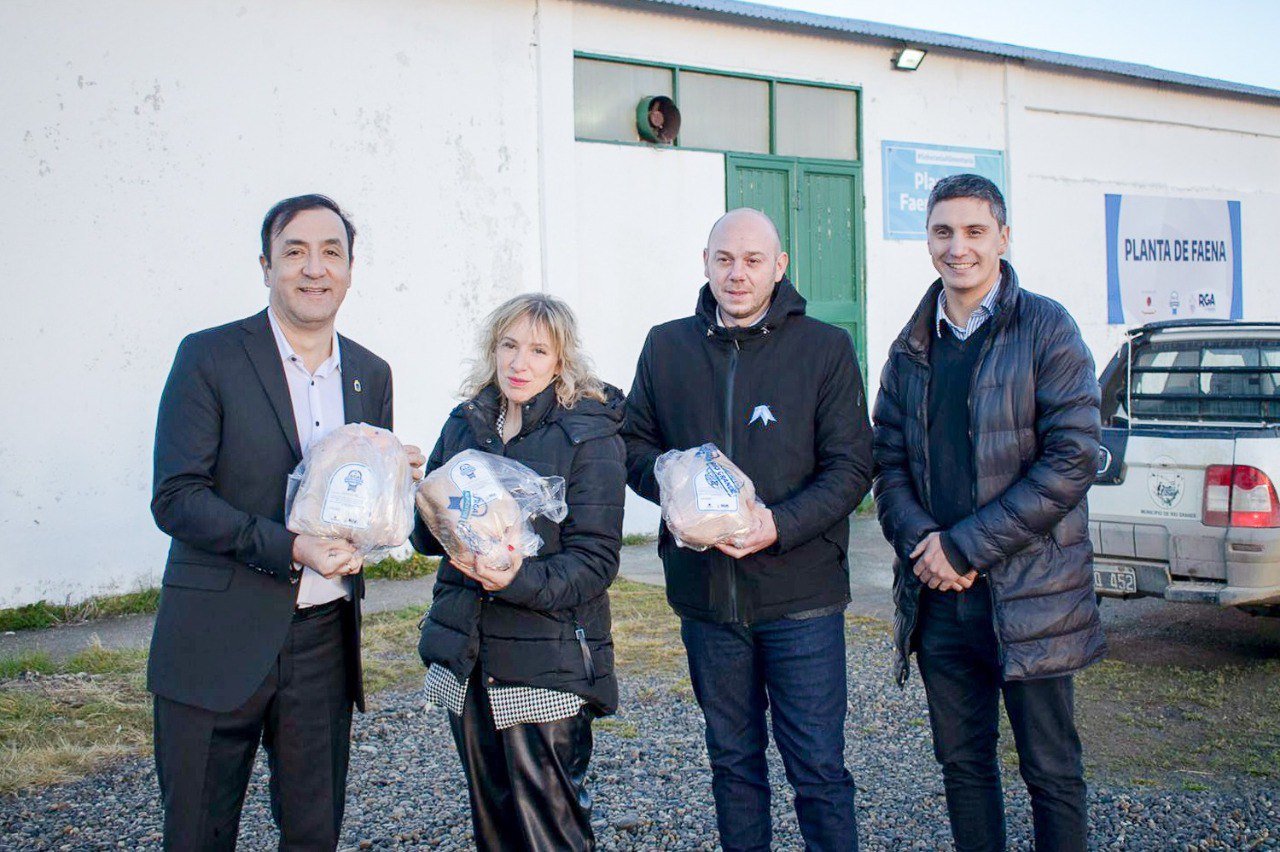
<point x="911" y="170"/>
<point x="1172" y="258"/>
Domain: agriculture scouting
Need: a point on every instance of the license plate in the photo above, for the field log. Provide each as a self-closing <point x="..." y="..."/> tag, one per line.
<point x="1115" y="579"/>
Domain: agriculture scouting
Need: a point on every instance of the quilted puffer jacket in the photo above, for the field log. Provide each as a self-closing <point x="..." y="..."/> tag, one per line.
<point x="1033" y="405"/>
<point x="551" y="627"/>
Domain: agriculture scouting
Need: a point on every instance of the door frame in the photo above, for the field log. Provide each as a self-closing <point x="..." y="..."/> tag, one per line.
<point x="733" y="162"/>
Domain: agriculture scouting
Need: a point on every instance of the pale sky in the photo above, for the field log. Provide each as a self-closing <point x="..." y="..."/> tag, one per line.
<point x="1226" y="39"/>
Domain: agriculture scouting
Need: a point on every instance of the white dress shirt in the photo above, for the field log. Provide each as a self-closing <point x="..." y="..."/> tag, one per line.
<point x="317" y="411"/>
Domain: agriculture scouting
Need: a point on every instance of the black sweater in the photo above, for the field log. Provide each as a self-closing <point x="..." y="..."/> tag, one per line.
<point x="951" y="474"/>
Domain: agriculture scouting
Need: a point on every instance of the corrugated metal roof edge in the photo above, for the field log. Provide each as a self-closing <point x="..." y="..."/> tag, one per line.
<point x="927" y="38"/>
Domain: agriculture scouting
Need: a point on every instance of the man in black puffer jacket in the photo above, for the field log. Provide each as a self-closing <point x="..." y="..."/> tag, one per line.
<point x="781" y="395"/>
<point x="986" y="440"/>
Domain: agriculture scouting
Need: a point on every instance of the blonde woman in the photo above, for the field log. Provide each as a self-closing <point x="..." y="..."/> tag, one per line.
<point x="523" y="658"/>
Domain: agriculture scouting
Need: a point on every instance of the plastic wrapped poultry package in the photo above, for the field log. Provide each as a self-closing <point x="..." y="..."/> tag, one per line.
<point x="479" y="505"/>
<point x="354" y="483"/>
<point x="706" y="499"/>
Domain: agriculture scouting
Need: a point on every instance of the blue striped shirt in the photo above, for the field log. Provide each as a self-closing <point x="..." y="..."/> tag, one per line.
<point x="976" y="319"/>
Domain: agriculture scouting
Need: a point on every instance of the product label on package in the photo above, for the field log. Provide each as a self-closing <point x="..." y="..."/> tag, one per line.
<point x="348" y="501"/>
<point x="715" y="490"/>
<point x="480" y="489"/>
<point x="476" y="479"/>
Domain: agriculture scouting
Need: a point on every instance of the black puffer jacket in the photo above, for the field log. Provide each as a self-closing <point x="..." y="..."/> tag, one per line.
<point x="525" y="634"/>
<point x="1034" y="412"/>
<point x="784" y="400"/>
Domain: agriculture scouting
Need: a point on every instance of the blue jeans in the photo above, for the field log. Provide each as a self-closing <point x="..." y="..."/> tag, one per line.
<point x="798" y="667"/>
<point x="959" y="662"/>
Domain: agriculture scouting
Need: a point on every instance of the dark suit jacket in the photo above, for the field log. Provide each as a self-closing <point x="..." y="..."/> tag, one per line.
<point x="226" y="443"/>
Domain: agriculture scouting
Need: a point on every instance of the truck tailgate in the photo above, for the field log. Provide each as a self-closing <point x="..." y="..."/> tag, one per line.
<point x="1154" y="512"/>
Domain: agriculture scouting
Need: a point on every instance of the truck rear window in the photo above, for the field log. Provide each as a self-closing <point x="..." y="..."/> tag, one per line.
<point x="1216" y="380"/>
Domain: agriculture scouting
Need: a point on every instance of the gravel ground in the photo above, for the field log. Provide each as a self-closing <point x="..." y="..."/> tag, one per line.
<point x="652" y="787"/>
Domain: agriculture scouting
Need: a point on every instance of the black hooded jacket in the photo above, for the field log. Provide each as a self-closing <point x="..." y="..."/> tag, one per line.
<point x="784" y="400"/>
<point x="527" y="633"/>
<point x="1034" y="429"/>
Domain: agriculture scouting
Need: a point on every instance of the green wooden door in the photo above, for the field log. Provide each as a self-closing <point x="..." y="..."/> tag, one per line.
<point x="827" y="259"/>
<point x="817" y="206"/>
<point x="764" y="183"/>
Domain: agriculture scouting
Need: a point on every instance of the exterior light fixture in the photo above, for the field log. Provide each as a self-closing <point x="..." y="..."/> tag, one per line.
<point x="908" y="58"/>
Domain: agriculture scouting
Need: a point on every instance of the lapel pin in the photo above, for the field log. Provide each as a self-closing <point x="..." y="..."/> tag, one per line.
<point x="356" y="385"/>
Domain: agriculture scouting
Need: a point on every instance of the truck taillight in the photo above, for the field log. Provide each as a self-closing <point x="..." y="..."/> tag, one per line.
<point x="1239" y="496"/>
<point x="1217" y="496"/>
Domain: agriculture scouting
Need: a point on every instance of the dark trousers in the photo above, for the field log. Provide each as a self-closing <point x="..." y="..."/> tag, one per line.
<point x="796" y="670"/>
<point x="302" y="715"/>
<point x="958" y="656"/>
<point x="527" y="782"/>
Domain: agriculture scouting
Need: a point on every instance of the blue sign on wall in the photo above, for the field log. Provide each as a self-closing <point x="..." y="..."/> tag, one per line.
<point x="911" y="170"/>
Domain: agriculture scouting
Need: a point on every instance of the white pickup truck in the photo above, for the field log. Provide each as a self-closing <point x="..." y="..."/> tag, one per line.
<point x="1185" y="504"/>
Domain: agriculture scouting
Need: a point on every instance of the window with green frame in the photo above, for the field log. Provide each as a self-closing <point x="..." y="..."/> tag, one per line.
<point x="719" y="111"/>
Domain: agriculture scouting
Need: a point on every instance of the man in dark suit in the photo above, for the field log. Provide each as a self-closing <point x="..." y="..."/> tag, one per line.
<point x="257" y="636"/>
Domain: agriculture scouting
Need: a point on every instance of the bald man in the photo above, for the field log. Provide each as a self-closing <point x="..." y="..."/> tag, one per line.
<point x="762" y="619"/>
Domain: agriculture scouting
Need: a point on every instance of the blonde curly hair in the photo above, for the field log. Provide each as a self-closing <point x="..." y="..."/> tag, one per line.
<point x="576" y="379"/>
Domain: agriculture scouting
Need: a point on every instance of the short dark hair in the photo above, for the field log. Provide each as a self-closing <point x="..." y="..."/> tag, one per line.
<point x="969" y="186"/>
<point x="279" y="217"/>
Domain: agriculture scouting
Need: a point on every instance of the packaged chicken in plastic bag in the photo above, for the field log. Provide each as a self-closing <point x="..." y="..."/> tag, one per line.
<point x="705" y="498"/>
<point x="480" y="505"/>
<point x="354" y="483"/>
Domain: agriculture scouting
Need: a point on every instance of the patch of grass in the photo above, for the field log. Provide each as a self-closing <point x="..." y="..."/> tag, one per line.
<point x="389" y="642"/>
<point x="632" y="539"/>
<point x="865" y="625"/>
<point x="412" y="568"/>
<point x="1159" y="720"/>
<point x="681" y="686"/>
<point x="617" y="727"/>
<point x="867" y="506"/>
<point x="61" y="721"/>
<point x="28" y="616"/>
<point x="36" y="662"/>
<point x="97" y="660"/>
<point x="44" y="614"/>
<point x="646" y="633"/>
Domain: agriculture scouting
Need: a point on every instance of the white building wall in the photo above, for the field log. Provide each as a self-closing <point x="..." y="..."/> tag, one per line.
<point x="1078" y="138"/>
<point x="141" y="145"/>
<point x="1069" y="139"/>
<point x="639" y="263"/>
